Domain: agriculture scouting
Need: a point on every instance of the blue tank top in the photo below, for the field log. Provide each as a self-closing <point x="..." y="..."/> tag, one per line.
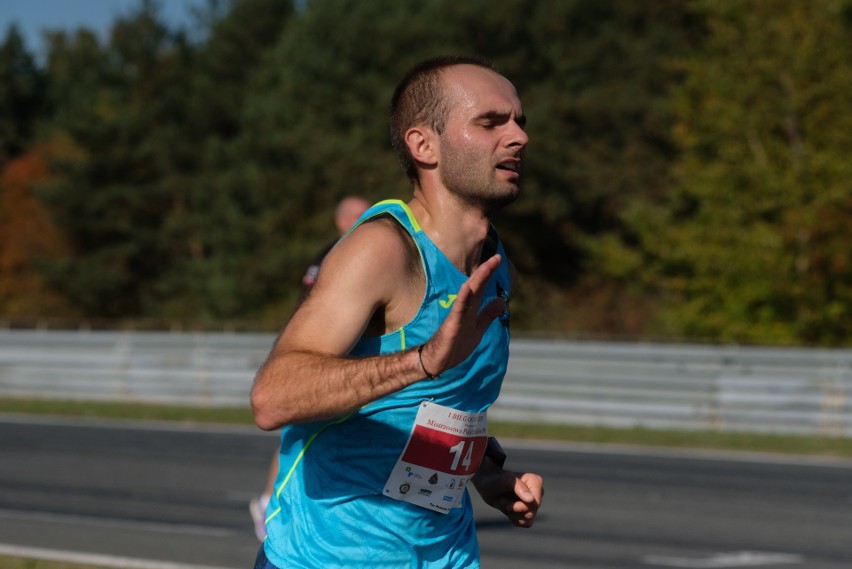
<point x="330" y="507"/>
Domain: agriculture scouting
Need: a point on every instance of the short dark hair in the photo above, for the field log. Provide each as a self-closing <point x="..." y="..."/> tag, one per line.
<point x="419" y="100"/>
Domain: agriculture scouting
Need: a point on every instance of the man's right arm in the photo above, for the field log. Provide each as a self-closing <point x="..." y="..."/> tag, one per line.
<point x="308" y="375"/>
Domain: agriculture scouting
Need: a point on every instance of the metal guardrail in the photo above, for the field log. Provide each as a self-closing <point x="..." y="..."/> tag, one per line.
<point x="204" y="369"/>
<point x="783" y="390"/>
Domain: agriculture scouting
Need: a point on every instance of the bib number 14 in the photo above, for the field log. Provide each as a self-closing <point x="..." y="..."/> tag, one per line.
<point x="458" y="451"/>
<point x="443" y="451"/>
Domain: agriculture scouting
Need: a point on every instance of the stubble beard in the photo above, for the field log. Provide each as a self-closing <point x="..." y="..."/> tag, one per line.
<point x="475" y="185"/>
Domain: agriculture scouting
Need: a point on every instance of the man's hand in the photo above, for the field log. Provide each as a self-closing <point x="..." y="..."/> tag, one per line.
<point x="517" y="495"/>
<point x="464" y="327"/>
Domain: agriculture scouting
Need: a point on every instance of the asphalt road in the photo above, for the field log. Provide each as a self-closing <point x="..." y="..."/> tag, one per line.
<point x="179" y="495"/>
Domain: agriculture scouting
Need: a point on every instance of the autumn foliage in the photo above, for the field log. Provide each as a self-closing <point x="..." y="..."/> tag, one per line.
<point x="28" y="237"/>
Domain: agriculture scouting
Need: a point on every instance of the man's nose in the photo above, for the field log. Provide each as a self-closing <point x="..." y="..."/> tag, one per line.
<point x="519" y="136"/>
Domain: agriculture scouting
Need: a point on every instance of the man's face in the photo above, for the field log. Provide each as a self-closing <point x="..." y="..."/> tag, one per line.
<point x="482" y="146"/>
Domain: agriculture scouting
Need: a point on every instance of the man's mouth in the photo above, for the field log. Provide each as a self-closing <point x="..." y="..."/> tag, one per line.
<point x="511" y="165"/>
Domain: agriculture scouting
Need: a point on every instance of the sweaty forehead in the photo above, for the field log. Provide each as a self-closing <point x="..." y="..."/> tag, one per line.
<point x="472" y="87"/>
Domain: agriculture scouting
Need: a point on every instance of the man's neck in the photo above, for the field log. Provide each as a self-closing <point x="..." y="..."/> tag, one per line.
<point x="457" y="229"/>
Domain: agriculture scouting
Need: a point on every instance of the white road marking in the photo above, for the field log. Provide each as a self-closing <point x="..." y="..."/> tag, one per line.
<point x="721" y="560"/>
<point x="93" y="559"/>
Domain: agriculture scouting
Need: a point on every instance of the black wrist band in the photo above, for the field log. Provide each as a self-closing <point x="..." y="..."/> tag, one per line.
<point x="495" y="452"/>
<point x="423" y="367"/>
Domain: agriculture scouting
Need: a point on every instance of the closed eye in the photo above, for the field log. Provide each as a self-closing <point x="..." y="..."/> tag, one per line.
<point x="494" y="119"/>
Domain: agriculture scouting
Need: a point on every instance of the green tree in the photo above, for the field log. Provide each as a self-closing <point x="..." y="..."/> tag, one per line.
<point x="749" y="246"/>
<point x="593" y="80"/>
<point x="21" y="95"/>
<point x="148" y="202"/>
<point x="117" y="103"/>
<point x="197" y="176"/>
<point x="214" y="230"/>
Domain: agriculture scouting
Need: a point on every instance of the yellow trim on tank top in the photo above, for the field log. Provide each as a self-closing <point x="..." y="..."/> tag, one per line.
<point x="299" y="459"/>
<point x="407" y="210"/>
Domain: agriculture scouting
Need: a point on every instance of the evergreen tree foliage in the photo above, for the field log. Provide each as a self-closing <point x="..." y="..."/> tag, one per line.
<point x="21" y="95"/>
<point x="748" y="246"/>
<point x="595" y="79"/>
<point x="215" y="228"/>
<point x="111" y="195"/>
<point x="686" y="174"/>
<point x="317" y="126"/>
<point x="145" y="202"/>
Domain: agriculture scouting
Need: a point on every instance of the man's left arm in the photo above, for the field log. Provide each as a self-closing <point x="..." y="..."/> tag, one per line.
<point x="517" y="494"/>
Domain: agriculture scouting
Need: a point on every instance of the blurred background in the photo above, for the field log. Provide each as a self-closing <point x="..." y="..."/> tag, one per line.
<point x="168" y="171"/>
<point x="175" y="164"/>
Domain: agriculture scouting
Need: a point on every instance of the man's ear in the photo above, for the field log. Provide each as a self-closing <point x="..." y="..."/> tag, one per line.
<point x="422" y="144"/>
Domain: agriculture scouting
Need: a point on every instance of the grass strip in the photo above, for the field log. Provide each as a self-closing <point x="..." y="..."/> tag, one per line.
<point x="22" y="563"/>
<point x="830" y="446"/>
<point x="131" y="411"/>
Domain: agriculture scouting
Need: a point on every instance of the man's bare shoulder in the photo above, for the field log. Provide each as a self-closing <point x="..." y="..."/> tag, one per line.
<point x="379" y="254"/>
<point x="361" y="278"/>
<point x="383" y="239"/>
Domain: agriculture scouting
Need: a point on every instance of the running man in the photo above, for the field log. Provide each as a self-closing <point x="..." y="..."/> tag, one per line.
<point x="383" y="377"/>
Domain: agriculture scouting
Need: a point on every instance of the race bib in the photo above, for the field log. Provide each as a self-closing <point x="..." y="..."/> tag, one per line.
<point x="442" y="453"/>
